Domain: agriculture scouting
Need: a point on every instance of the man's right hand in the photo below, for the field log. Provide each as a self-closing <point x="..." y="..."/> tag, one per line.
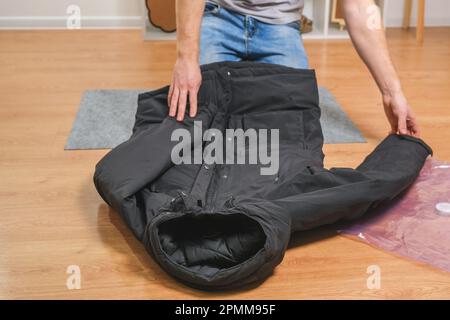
<point x="185" y="84"/>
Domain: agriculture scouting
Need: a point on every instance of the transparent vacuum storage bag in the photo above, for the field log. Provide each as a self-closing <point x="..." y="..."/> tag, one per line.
<point x="417" y="224"/>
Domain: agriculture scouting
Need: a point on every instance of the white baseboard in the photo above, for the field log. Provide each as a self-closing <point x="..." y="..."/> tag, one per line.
<point x="60" y="22"/>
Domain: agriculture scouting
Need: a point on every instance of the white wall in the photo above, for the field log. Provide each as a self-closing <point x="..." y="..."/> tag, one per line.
<point x="127" y="13"/>
<point x="52" y="13"/>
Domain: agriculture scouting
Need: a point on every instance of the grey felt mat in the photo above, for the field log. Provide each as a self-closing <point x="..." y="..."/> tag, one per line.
<point x="106" y="117"/>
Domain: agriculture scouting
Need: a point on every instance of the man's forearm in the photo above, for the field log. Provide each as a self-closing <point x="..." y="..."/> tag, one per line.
<point x="189" y="17"/>
<point x="186" y="78"/>
<point x="366" y="31"/>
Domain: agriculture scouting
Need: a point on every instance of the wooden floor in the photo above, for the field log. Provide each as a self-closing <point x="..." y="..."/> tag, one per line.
<point x="51" y="216"/>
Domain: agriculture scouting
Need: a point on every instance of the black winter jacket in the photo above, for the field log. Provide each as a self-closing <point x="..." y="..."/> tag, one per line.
<point x="223" y="226"/>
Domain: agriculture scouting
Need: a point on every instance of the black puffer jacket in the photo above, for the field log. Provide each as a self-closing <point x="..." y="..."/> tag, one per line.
<point x="222" y="226"/>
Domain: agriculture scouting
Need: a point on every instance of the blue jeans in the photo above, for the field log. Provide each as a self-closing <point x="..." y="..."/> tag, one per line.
<point x="230" y="36"/>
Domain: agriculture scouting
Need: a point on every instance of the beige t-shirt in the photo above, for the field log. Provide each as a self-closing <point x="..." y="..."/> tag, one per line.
<point x="270" y="11"/>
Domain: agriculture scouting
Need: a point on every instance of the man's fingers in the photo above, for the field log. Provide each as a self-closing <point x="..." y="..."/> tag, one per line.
<point x="402" y="127"/>
<point x="393" y="123"/>
<point x="193" y="102"/>
<point x="182" y="104"/>
<point x="174" y="102"/>
<point x="169" y="95"/>
<point x="413" y="127"/>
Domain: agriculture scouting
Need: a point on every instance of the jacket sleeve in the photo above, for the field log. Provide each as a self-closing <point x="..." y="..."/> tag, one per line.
<point x="122" y="175"/>
<point x="345" y="193"/>
<point x="132" y="164"/>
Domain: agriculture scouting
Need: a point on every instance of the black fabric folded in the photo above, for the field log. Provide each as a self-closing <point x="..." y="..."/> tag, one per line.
<point x="221" y="226"/>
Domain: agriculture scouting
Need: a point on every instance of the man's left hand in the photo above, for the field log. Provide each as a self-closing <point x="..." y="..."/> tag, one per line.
<point x="400" y="115"/>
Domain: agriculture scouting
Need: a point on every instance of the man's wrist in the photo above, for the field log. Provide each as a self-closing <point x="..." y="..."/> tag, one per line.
<point x="189" y="57"/>
<point x="392" y="89"/>
<point x="187" y="50"/>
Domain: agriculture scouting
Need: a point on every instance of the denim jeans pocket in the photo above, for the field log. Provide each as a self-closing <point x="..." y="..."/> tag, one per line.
<point x="211" y="7"/>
